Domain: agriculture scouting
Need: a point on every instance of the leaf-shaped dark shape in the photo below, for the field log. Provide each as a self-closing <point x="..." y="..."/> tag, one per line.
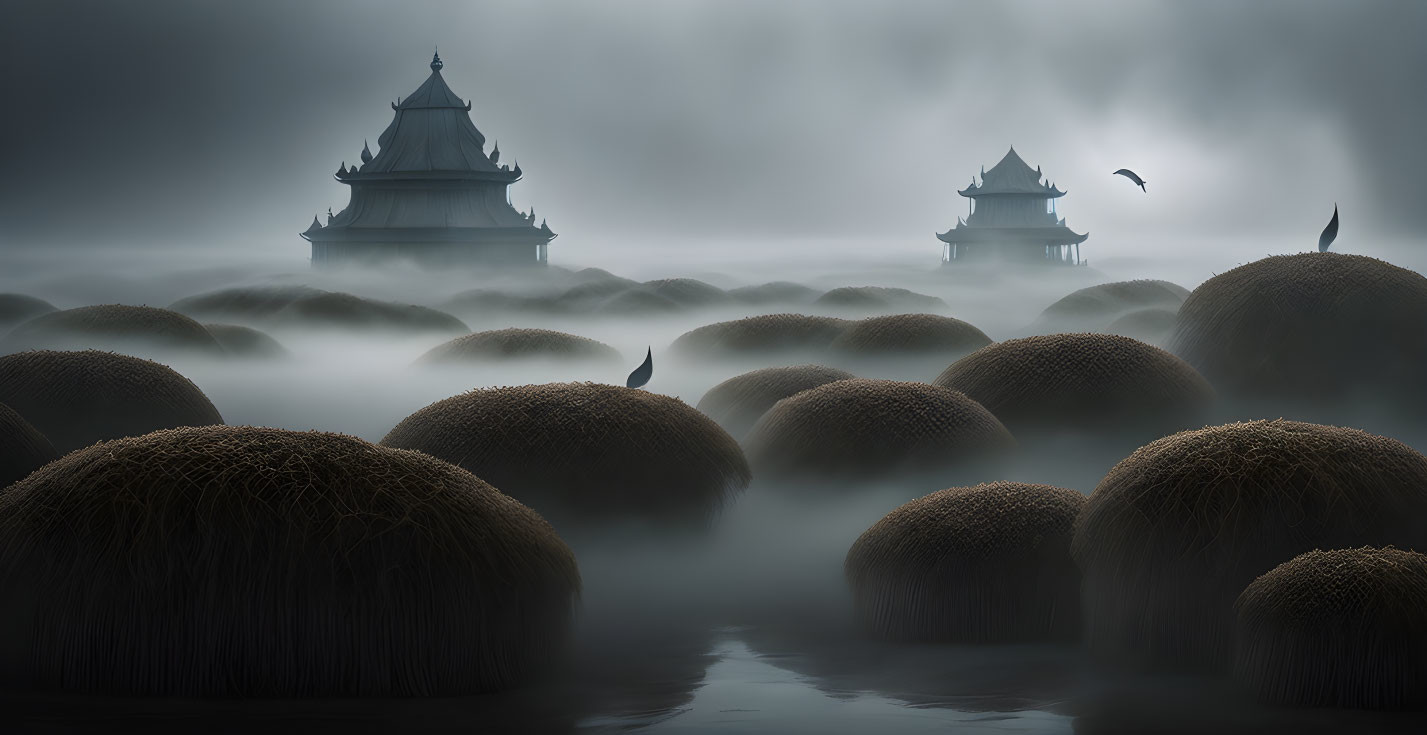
<point x="1330" y="233"/>
<point x="643" y="373"/>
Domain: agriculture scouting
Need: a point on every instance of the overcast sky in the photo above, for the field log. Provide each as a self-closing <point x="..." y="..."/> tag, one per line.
<point x="221" y="123"/>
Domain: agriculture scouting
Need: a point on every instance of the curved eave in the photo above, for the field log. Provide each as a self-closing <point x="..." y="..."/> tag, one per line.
<point x="428" y="234"/>
<point x="1047" y="194"/>
<point x="1058" y="234"/>
<point x="502" y="177"/>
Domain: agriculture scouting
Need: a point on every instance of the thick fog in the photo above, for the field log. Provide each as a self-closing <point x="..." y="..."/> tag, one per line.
<point x="155" y="151"/>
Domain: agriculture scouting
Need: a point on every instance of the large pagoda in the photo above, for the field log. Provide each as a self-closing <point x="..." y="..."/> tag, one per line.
<point x="1012" y="218"/>
<point x="430" y="194"/>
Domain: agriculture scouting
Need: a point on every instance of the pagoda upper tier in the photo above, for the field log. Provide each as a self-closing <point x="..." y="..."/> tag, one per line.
<point x="431" y="193"/>
<point x="1011" y="177"/>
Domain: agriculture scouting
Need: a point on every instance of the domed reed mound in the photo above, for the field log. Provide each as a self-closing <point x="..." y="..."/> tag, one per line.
<point x="869" y="427"/>
<point x="1314" y="326"/>
<point x="737" y="403"/>
<point x="345" y="311"/>
<point x="516" y="344"/>
<point x="23" y="449"/>
<point x="1067" y="382"/>
<point x="878" y="297"/>
<point x="78" y="398"/>
<point x="910" y="333"/>
<point x="1337" y="629"/>
<point x="1104" y="302"/>
<point x="755" y="334"/>
<point x="774" y="292"/>
<point x="16" y="308"/>
<point x="1151" y="326"/>
<point x="112" y="326"/>
<point x="638" y="301"/>
<point x="982" y="564"/>
<point x="582" y="449"/>
<point x="246" y="302"/>
<point x="688" y="291"/>
<point x="250" y="562"/>
<point x="1176" y="530"/>
<point x="245" y="342"/>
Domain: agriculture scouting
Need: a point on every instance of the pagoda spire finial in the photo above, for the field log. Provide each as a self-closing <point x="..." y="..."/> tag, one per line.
<point x="366" y="153"/>
<point x="436" y="61"/>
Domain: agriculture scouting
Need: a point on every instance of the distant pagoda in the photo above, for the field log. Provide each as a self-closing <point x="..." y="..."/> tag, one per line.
<point x="1013" y="219"/>
<point x="430" y="194"/>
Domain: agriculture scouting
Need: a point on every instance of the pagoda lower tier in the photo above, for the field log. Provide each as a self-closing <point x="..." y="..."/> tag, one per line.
<point x="433" y="247"/>
<point x="1054" y="245"/>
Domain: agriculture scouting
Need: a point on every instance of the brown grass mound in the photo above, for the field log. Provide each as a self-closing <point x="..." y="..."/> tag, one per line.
<point x="112" y="326"/>
<point x="737" y="403"/>
<point x="23" y="449"/>
<point x="584" y="449"/>
<point x="482" y="301"/>
<point x="1103" y="382"/>
<point x="1104" y="302"/>
<point x="1337" y="629"/>
<point x="16" y="308"/>
<point x="639" y="301"/>
<point x="78" y="398"/>
<point x="1151" y="326"/>
<point x="345" y="311"/>
<point x="758" y="334"/>
<point x="910" y="334"/>
<point x="982" y="564"/>
<point x="246" y="342"/>
<point x="1176" y="530"/>
<point x="863" y="427"/>
<point x="688" y="291"/>
<point x="878" y="297"/>
<point x="246" y="302"/>
<point x="518" y="344"/>
<point x="774" y="292"/>
<point x="252" y="562"/>
<point x="1314" y="326"/>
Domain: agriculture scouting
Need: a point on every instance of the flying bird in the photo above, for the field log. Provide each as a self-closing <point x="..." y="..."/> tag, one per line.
<point x="1330" y="233"/>
<point x="643" y="373"/>
<point x="1132" y="176"/>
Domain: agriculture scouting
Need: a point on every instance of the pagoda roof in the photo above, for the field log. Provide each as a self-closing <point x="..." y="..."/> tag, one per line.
<point x="431" y="131"/>
<point x="1011" y="177"/>
<point x="1057" y="234"/>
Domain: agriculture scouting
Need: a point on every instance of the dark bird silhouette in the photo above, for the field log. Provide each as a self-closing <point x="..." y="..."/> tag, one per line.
<point x="1132" y="176"/>
<point x="643" y="373"/>
<point x="1330" y="233"/>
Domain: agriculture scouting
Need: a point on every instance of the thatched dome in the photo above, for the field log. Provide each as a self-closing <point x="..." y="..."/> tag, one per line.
<point x="1103" y="382"/>
<point x="245" y="342"/>
<point x="865" y="427"/>
<point x="774" y="292"/>
<point x="638" y="301"/>
<point x="485" y="301"/>
<point x="78" y="398"/>
<point x="584" y="449"/>
<point x="759" y="334"/>
<point x="23" y="449"/>
<point x="1176" y="530"/>
<point x="1337" y="629"/>
<point x="16" y="308"/>
<point x="345" y="311"/>
<point x="876" y="298"/>
<point x="737" y="403"/>
<point x="518" y="344"/>
<point x="112" y="326"/>
<point x="1311" y="327"/>
<point x="1151" y="326"/>
<point x="982" y="564"/>
<point x="243" y="302"/>
<point x="1099" y="305"/>
<point x="688" y="291"/>
<point x="902" y="334"/>
<point x="253" y="562"/>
